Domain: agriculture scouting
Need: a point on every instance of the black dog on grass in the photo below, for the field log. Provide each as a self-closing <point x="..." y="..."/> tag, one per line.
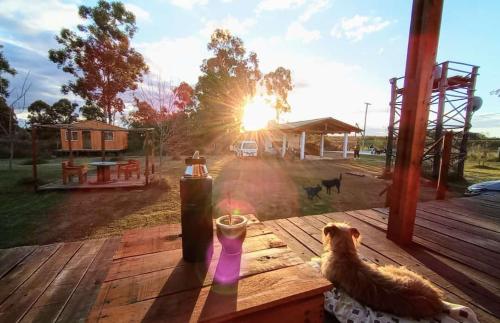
<point x="329" y="183"/>
<point x="312" y="191"/>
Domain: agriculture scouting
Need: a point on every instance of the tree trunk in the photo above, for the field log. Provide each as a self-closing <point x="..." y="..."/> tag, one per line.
<point x="11" y="137"/>
<point x="161" y="150"/>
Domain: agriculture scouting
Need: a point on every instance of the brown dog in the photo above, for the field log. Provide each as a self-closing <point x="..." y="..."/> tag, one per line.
<point x="386" y="288"/>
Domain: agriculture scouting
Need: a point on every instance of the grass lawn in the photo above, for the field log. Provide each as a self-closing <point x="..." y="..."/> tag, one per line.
<point x="269" y="188"/>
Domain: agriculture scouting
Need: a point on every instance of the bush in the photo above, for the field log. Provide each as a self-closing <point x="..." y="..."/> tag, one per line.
<point x="29" y="181"/>
<point x="30" y="162"/>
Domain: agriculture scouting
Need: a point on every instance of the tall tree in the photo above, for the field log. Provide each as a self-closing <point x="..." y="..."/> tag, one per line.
<point x="91" y="111"/>
<point x="5" y="68"/>
<point x="62" y="111"/>
<point x="100" y="57"/>
<point x="228" y="79"/>
<point x="278" y="84"/>
<point x="161" y="105"/>
<point x="5" y="115"/>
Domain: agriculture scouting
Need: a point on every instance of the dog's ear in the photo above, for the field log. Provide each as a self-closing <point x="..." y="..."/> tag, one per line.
<point x="355" y="233"/>
<point x="329" y="229"/>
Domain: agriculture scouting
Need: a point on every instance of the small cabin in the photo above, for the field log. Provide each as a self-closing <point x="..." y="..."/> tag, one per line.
<point x="86" y="136"/>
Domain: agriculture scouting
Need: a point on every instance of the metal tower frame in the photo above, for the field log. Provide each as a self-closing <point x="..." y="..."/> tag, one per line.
<point x="450" y="109"/>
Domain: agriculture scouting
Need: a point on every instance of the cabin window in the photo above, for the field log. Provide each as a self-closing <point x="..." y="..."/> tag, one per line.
<point x="108" y="135"/>
<point x="74" y="135"/>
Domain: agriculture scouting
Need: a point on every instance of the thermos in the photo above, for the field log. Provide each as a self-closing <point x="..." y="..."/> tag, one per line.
<point x="196" y="210"/>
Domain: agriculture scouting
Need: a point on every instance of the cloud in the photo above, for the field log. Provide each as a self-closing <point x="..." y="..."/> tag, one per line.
<point x="139" y="12"/>
<point x="188" y="4"/>
<point x="357" y="27"/>
<point x="234" y="25"/>
<point x="296" y="31"/>
<point x="313" y="8"/>
<point x="272" y="5"/>
<point x="175" y="59"/>
<point x="40" y="16"/>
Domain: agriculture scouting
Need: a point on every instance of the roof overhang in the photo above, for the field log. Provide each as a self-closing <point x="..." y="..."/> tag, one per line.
<point x="316" y="126"/>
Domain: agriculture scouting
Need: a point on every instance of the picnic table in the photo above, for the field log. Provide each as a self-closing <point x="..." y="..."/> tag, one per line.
<point x="103" y="171"/>
<point x="149" y="281"/>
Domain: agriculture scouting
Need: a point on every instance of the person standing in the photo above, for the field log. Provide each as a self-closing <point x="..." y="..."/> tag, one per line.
<point x="356" y="151"/>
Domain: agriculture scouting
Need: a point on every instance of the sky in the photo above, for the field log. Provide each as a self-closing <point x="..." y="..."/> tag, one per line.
<point x="341" y="53"/>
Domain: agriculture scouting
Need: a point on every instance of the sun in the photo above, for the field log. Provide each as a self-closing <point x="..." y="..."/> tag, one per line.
<point x="256" y="114"/>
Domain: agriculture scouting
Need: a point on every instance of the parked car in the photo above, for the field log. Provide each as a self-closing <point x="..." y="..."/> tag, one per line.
<point x="247" y="148"/>
<point x="489" y="186"/>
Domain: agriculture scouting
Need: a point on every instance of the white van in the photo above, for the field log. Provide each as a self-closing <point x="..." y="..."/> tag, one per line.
<point x="247" y="148"/>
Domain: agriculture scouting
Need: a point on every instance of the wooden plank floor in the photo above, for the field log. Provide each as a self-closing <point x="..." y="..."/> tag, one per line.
<point x="53" y="283"/>
<point x="456" y="246"/>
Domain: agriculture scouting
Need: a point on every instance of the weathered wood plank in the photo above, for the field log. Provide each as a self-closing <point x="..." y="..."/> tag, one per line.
<point x="9" y="258"/>
<point x="48" y="307"/>
<point x="19" y="303"/>
<point x="24" y="269"/>
<point x="312" y="244"/>
<point x="302" y="251"/>
<point x="132" y="266"/>
<point x="251" y="294"/>
<point x="82" y="299"/>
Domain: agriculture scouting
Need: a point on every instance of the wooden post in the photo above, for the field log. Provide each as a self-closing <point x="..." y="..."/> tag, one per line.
<point x="103" y="147"/>
<point x="69" y="135"/>
<point x="303" y="145"/>
<point x="345" y="146"/>
<point x="443" y="83"/>
<point x="390" y="134"/>
<point x="34" y="151"/>
<point x="322" y="146"/>
<point x="442" y="185"/>
<point x="283" y="146"/>
<point x="147" y="147"/>
<point x="422" y="47"/>
<point x="468" y="116"/>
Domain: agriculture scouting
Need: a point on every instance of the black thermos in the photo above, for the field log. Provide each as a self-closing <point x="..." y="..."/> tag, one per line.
<point x="196" y="210"/>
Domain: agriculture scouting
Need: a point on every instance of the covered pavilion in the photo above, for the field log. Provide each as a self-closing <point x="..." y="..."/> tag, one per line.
<point x="321" y="126"/>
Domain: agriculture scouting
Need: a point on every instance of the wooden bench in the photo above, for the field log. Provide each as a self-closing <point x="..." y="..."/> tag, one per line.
<point x="130" y="167"/>
<point x="68" y="171"/>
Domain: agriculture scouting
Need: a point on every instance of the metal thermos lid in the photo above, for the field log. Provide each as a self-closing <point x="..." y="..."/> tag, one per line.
<point x="196" y="166"/>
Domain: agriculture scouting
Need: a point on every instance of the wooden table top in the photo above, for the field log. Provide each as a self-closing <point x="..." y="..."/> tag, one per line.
<point x="148" y="280"/>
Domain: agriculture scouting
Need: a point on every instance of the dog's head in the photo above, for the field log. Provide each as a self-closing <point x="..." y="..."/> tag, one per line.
<point x="340" y="237"/>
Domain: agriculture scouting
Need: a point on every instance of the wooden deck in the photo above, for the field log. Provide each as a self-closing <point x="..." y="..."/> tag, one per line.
<point x="457" y="246"/>
<point x="132" y="182"/>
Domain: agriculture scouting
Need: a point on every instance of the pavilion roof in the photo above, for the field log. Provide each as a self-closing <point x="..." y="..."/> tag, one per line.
<point x="321" y="125"/>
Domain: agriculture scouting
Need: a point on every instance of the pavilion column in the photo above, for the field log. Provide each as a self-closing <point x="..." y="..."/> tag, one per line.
<point x="322" y="146"/>
<point x="345" y="146"/>
<point x="283" y="146"/>
<point x="303" y="145"/>
<point x="421" y="57"/>
<point x="103" y="146"/>
<point x="69" y="133"/>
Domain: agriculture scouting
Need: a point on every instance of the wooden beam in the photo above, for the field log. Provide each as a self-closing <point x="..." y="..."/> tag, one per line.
<point x="422" y="47"/>
<point x="443" y="83"/>
<point x="34" y="151"/>
<point x="390" y="132"/>
<point x="69" y="135"/>
<point x="303" y="145"/>
<point x="442" y="185"/>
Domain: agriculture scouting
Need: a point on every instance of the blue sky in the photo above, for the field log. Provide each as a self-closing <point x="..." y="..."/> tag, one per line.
<point x="341" y="53"/>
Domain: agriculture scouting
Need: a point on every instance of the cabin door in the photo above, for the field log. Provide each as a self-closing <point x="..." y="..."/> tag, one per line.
<point x="87" y="143"/>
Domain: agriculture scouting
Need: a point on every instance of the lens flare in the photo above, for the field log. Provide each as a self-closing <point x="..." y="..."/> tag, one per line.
<point x="256" y="114"/>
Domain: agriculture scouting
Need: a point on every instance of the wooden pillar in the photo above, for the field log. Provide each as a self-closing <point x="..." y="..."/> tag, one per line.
<point x="468" y="116"/>
<point x="443" y="83"/>
<point x="283" y="146"/>
<point x="322" y="146"/>
<point x="69" y="133"/>
<point x="442" y="185"/>
<point x="147" y="148"/>
<point x="390" y="129"/>
<point x="103" y="147"/>
<point x="34" y="159"/>
<point x="345" y="145"/>
<point x="303" y="145"/>
<point x="421" y="56"/>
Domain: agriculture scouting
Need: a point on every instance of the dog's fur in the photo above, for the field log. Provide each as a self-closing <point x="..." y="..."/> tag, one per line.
<point x="386" y="288"/>
<point x="329" y="183"/>
<point x="312" y="191"/>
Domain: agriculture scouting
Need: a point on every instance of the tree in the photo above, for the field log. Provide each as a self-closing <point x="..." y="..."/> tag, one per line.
<point x="5" y="115"/>
<point x="228" y="80"/>
<point x="61" y="112"/>
<point x="100" y="58"/>
<point x="278" y="84"/>
<point x="5" y="68"/>
<point x="91" y="111"/>
<point x="160" y="105"/>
